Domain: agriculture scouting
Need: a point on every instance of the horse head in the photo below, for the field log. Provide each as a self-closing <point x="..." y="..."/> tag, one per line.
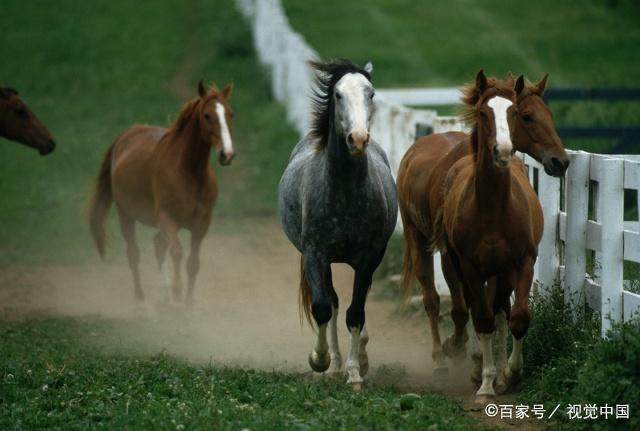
<point x="19" y="123"/>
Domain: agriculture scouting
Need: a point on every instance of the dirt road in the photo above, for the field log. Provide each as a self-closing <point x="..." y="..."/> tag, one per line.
<point x="246" y="310"/>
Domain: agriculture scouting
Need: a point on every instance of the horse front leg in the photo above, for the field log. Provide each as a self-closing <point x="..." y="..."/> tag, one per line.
<point x="314" y="273"/>
<point x="519" y="323"/>
<point x="484" y="323"/>
<point x="455" y="346"/>
<point x="357" y="362"/>
<point x="169" y="229"/>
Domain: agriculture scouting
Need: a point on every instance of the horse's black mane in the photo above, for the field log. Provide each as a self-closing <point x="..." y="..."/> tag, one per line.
<point x="327" y="75"/>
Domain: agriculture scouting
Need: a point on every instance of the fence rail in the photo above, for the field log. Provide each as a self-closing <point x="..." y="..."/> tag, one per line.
<point x="567" y="227"/>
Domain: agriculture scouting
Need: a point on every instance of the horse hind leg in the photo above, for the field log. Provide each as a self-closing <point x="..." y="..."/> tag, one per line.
<point x="161" y="247"/>
<point x="431" y="302"/>
<point x="193" y="264"/>
<point x="128" y="229"/>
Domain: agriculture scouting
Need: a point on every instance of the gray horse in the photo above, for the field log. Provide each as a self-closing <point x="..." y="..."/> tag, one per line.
<point x="337" y="202"/>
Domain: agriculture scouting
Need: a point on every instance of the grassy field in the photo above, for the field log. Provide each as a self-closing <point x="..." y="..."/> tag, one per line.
<point x="91" y="70"/>
<point x="61" y="380"/>
<point x="444" y="43"/>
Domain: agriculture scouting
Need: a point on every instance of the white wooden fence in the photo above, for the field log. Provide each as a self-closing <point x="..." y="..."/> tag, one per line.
<point x="608" y="236"/>
<point x="285" y="53"/>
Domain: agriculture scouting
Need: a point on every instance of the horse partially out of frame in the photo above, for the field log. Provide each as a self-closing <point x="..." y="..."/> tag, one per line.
<point x="18" y="123"/>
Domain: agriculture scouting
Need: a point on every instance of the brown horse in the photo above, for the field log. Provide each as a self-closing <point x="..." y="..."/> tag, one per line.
<point x="19" y="124"/>
<point x="162" y="178"/>
<point x="420" y="180"/>
<point x="486" y="221"/>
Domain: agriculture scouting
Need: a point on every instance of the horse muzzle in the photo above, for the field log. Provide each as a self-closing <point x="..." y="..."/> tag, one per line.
<point x="47" y="148"/>
<point x="225" y="158"/>
<point x="502" y="155"/>
<point x="556" y="166"/>
<point x="357" y="142"/>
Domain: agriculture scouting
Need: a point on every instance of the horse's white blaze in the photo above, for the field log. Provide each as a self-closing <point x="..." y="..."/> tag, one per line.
<point x="352" y="87"/>
<point x="353" y="362"/>
<point x="503" y="135"/>
<point x="227" y="146"/>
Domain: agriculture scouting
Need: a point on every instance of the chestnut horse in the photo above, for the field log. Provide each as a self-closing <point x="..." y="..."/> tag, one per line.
<point x="420" y="180"/>
<point x="19" y="124"/>
<point x="488" y="225"/>
<point x="162" y="178"/>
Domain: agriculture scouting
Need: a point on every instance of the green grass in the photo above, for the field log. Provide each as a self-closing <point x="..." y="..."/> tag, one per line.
<point x="566" y="361"/>
<point x="60" y="374"/>
<point x="443" y="43"/>
<point x="91" y="70"/>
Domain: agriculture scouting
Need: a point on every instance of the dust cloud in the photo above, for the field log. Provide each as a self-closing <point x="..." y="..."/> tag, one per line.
<point x="245" y="313"/>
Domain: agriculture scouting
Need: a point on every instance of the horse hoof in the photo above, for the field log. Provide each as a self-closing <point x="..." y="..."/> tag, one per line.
<point x="507" y="380"/>
<point x="501" y="386"/>
<point x="453" y="351"/>
<point x="357" y="387"/>
<point x="440" y="377"/>
<point x="484" y="399"/>
<point x="318" y="363"/>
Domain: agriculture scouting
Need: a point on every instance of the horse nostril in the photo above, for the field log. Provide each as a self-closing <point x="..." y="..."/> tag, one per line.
<point x="495" y="151"/>
<point x="557" y="163"/>
<point x="350" y="139"/>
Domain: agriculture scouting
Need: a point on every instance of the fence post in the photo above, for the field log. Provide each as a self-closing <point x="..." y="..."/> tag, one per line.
<point x="611" y="217"/>
<point x="548" y="263"/>
<point x="577" y="209"/>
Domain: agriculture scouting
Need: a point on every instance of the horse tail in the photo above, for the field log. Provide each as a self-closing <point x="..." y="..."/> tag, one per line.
<point x="101" y="202"/>
<point x="304" y="297"/>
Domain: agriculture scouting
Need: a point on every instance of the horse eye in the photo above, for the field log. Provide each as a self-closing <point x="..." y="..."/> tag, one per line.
<point x="527" y="118"/>
<point x="338" y="96"/>
<point x="373" y="93"/>
<point x="207" y="116"/>
<point x="22" y="112"/>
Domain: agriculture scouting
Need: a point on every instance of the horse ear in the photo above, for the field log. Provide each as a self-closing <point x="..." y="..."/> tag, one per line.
<point x="368" y="67"/>
<point x="201" y="90"/>
<point x="227" y="90"/>
<point x="481" y="81"/>
<point x="541" y="85"/>
<point x="519" y="85"/>
<point x="509" y="79"/>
